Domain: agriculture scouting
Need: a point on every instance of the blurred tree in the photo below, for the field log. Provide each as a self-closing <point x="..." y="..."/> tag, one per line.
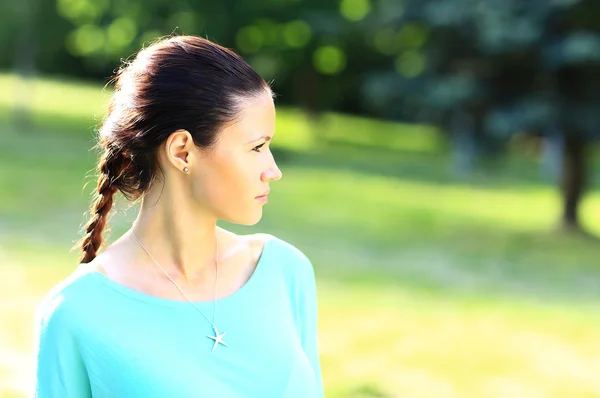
<point x="302" y="46"/>
<point x="314" y="52"/>
<point x="25" y="15"/>
<point x="488" y="69"/>
<point x="24" y="53"/>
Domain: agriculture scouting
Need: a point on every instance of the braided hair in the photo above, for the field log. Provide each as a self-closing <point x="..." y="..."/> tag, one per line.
<point x="181" y="82"/>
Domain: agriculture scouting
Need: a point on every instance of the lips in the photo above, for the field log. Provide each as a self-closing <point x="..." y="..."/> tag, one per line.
<point x="263" y="194"/>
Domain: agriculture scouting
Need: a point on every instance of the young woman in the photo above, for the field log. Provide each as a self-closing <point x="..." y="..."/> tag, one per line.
<point x="176" y="306"/>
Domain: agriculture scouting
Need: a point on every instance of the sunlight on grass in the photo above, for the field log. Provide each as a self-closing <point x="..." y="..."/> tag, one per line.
<point x="455" y="348"/>
<point x="590" y="212"/>
<point x="372" y="201"/>
<point x="53" y="97"/>
<point x="366" y="132"/>
<point x="293" y="130"/>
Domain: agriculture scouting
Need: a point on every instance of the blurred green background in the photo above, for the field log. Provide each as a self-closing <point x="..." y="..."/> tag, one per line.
<point x="440" y="165"/>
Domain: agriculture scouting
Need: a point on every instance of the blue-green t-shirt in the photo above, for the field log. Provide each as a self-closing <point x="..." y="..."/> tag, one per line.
<point x="98" y="338"/>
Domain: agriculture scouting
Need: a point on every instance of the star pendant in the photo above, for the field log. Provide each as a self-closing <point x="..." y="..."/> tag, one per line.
<point x="218" y="338"/>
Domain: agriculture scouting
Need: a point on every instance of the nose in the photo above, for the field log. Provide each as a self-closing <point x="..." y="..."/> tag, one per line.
<point x="272" y="173"/>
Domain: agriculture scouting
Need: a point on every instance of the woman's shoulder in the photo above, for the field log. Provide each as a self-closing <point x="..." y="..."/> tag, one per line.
<point x="67" y="295"/>
<point x="286" y="255"/>
<point x="266" y="242"/>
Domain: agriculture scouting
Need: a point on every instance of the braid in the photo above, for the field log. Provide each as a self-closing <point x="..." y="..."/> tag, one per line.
<point x="91" y="242"/>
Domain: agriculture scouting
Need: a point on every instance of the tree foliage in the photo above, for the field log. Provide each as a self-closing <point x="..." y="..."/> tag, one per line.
<point x="494" y="68"/>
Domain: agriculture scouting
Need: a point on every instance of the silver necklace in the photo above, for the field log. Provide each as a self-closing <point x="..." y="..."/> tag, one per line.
<point x="218" y="337"/>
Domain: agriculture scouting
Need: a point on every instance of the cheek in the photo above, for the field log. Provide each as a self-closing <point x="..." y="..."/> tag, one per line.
<point x="227" y="181"/>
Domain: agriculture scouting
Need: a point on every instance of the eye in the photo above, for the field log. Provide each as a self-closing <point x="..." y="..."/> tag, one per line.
<point x="257" y="148"/>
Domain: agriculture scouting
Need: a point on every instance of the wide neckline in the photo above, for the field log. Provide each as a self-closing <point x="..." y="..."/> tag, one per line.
<point x="136" y="294"/>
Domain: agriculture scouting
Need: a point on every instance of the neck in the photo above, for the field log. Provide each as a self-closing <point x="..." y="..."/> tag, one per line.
<point x="183" y="242"/>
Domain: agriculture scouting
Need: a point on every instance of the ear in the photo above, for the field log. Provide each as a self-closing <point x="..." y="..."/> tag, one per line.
<point x="178" y="147"/>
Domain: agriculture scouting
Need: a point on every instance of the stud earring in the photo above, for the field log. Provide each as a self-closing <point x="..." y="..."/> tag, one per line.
<point x="185" y="169"/>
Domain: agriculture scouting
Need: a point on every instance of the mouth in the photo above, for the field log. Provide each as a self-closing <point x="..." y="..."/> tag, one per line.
<point x="263" y="195"/>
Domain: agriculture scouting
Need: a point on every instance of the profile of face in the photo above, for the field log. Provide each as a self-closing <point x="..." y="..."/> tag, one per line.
<point x="227" y="180"/>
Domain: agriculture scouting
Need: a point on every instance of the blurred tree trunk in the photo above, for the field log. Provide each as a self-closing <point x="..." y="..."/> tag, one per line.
<point x="25" y="54"/>
<point x="573" y="179"/>
<point x="307" y="86"/>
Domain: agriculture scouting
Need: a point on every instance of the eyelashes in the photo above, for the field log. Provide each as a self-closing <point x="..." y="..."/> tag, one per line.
<point x="257" y="148"/>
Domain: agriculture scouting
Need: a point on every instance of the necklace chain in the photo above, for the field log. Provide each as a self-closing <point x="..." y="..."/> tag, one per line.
<point x="180" y="289"/>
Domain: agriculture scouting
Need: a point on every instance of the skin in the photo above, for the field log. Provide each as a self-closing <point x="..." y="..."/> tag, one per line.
<point x="178" y="216"/>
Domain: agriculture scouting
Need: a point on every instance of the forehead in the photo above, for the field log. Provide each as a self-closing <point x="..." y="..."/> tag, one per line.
<point x="255" y="119"/>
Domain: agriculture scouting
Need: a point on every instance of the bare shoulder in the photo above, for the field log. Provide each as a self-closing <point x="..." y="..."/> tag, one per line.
<point x="254" y="243"/>
<point x="293" y="262"/>
<point x="105" y="261"/>
<point x="284" y="248"/>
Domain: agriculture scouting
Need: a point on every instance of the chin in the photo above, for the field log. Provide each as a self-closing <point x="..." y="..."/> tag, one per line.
<point x="249" y="219"/>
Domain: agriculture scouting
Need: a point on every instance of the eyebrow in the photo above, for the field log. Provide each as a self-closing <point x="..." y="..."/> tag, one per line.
<point x="266" y="137"/>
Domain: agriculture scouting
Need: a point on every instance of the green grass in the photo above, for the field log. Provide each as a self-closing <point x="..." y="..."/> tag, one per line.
<point x="428" y="286"/>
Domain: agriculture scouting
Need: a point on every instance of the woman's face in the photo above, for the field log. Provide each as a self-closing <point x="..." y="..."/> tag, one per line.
<point x="229" y="178"/>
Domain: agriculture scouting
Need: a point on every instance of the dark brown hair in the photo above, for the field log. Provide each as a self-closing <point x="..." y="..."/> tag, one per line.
<point x="181" y="82"/>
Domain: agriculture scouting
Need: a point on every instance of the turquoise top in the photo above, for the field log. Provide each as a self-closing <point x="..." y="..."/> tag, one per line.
<point x="98" y="338"/>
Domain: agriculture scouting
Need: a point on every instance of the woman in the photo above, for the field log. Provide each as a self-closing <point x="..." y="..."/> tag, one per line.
<point x="176" y="306"/>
